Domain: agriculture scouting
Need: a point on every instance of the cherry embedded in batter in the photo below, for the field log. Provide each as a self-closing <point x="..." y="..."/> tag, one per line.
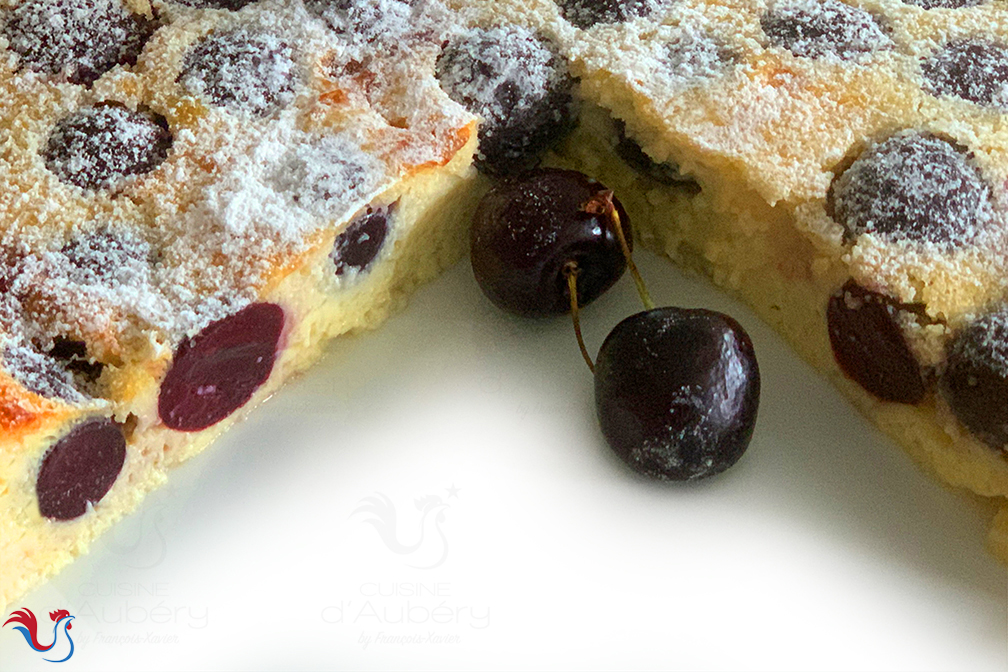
<point x="945" y="4"/>
<point x="80" y="469"/>
<point x="217" y="371"/>
<point x="98" y="147"/>
<point x="73" y="355"/>
<point x="913" y="186"/>
<point x="974" y="381"/>
<point x="242" y="70"/>
<point x="586" y="13"/>
<point x="232" y="5"/>
<point x="79" y="40"/>
<point x="361" y="20"/>
<point x="665" y="173"/>
<point x="824" y="29"/>
<point x="358" y="245"/>
<point x="518" y="83"/>
<point x="974" y="70"/>
<point x="869" y="345"/>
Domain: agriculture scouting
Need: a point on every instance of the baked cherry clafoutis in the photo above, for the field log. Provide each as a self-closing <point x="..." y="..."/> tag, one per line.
<point x="196" y="195"/>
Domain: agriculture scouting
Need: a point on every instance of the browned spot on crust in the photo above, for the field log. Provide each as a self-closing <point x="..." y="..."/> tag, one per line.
<point x="188" y="111"/>
<point x="450" y="143"/>
<point x="357" y="73"/>
<point x="12" y="416"/>
<point x="15" y="410"/>
<point x="335" y="96"/>
<point x="206" y="163"/>
<point x="771" y="71"/>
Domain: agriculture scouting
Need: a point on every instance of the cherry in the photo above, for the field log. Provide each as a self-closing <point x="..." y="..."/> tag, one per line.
<point x="530" y="232"/>
<point x="677" y="391"/>
<point x="869" y="345"/>
<point x="80" y="468"/>
<point x="974" y="380"/>
<point x="518" y="84"/>
<point x="217" y="371"/>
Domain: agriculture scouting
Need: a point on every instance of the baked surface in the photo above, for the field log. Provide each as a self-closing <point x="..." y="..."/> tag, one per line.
<point x="839" y="165"/>
<point x="272" y="174"/>
<point x="193" y="200"/>
<point x="842" y="168"/>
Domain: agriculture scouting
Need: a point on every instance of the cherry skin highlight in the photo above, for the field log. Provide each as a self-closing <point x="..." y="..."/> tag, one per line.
<point x="526" y="230"/>
<point x="219" y="369"/>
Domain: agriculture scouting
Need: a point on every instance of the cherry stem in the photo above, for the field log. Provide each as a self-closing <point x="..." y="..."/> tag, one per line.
<point x="638" y="280"/>
<point x="571" y="270"/>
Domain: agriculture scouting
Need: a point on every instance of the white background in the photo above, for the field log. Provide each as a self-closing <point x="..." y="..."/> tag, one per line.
<point x="823" y="548"/>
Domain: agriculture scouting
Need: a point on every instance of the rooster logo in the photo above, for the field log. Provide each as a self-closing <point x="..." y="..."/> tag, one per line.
<point x="428" y="547"/>
<point x="28" y="627"/>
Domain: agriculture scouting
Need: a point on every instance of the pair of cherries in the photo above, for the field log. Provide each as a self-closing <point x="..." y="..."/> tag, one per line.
<point x="676" y="390"/>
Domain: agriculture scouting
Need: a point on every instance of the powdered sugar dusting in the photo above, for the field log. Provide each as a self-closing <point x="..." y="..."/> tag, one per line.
<point x="78" y="40"/>
<point x="39" y="373"/>
<point x="823" y="29"/>
<point x="915" y="187"/>
<point x="364" y="20"/>
<point x="499" y="72"/>
<point x="518" y="84"/>
<point x="287" y="183"/>
<point x="233" y="5"/>
<point x="95" y="148"/>
<point x="945" y="4"/>
<point x="973" y="70"/>
<point x="587" y="13"/>
<point x="694" y="54"/>
<point x="243" y="70"/>
<point x="984" y="343"/>
<point x="279" y="154"/>
<point x="327" y="176"/>
<point x="100" y="281"/>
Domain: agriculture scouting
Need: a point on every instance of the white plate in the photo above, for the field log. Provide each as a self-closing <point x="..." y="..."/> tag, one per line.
<point x="823" y="548"/>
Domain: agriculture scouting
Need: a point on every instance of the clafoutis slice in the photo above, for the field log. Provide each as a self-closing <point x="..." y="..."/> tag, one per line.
<point x="841" y="166"/>
<point x="194" y="198"/>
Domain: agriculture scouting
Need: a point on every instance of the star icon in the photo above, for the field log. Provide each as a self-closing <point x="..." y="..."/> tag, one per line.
<point x="453" y="491"/>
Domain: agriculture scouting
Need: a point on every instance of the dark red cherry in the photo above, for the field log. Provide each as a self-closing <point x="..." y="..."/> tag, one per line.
<point x="246" y="70"/>
<point x="974" y="381"/>
<point x="98" y="147"/>
<point x="677" y="391"/>
<point x="666" y="173"/>
<point x="974" y="70"/>
<point x="233" y="5"/>
<point x="526" y="230"/>
<point x="76" y="40"/>
<point x="869" y="345"/>
<point x="216" y="372"/>
<point x="913" y="186"/>
<point x="586" y="13"/>
<point x="823" y="29"/>
<point x="519" y="85"/>
<point x="358" y="245"/>
<point x="80" y="469"/>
